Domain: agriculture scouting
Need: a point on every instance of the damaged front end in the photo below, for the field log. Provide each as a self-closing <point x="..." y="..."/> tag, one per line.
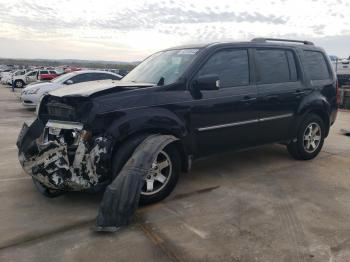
<point x="61" y="155"/>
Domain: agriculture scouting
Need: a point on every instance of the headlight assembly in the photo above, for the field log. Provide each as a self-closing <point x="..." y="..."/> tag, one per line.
<point x="33" y="91"/>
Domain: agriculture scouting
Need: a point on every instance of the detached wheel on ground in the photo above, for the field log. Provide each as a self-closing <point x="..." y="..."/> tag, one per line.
<point x="19" y="83"/>
<point x="310" y="138"/>
<point x="161" y="178"/>
<point x="50" y="193"/>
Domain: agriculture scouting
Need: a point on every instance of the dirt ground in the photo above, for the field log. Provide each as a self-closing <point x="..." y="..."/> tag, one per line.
<point x="257" y="205"/>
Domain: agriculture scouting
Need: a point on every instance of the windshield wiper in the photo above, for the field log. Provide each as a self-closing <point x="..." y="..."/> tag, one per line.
<point x="161" y="81"/>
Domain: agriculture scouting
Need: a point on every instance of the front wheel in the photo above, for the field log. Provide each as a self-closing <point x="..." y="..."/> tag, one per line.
<point x="19" y="83"/>
<point x="162" y="177"/>
<point x="310" y="138"/>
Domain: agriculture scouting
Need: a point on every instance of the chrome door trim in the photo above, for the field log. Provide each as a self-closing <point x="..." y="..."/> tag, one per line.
<point x="275" y="117"/>
<point x="244" y="122"/>
<point x="228" y="125"/>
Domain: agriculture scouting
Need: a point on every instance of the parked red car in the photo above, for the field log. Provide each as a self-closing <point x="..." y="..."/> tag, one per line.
<point x="46" y="74"/>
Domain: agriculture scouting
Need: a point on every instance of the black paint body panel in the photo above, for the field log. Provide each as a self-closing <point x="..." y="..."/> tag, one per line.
<point x="210" y="121"/>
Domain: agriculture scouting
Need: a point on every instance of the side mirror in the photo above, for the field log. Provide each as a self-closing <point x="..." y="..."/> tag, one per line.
<point x="69" y="82"/>
<point x="207" y="82"/>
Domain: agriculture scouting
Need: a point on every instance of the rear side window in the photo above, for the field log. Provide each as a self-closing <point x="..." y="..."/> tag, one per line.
<point x="276" y="66"/>
<point x="316" y="65"/>
<point x="103" y="76"/>
<point x="44" y="72"/>
<point x="231" y="66"/>
<point x="53" y="72"/>
<point x="110" y="76"/>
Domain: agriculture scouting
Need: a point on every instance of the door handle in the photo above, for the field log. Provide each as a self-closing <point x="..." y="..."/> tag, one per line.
<point x="298" y="92"/>
<point x="248" y="99"/>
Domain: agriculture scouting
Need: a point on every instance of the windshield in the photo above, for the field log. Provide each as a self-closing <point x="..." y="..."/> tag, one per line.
<point x="62" y="78"/>
<point x="163" y="67"/>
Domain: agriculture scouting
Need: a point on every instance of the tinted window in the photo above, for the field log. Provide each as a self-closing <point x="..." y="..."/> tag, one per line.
<point x="276" y="66"/>
<point x="109" y="76"/>
<point x="231" y="66"/>
<point x="81" y="78"/>
<point x="52" y="72"/>
<point x="293" y="73"/>
<point x="18" y="73"/>
<point x="32" y="73"/>
<point x="101" y="76"/>
<point x="44" y="72"/>
<point x="316" y="65"/>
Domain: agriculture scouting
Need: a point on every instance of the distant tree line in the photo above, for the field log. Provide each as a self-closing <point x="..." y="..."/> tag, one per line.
<point x="72" y="63"/>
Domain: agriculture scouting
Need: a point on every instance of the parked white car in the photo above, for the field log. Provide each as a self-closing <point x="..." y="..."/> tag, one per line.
<point x="22" y="80"/>
<point x="16" y="74"/>
<point x="5" y="75"/>
<point x="32" y="94"/>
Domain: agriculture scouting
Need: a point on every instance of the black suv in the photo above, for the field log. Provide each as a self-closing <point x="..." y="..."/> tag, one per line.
<point x="210" y="98"/>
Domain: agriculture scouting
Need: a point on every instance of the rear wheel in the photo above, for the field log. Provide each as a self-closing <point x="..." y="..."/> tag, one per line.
<point x="310" y="138"/>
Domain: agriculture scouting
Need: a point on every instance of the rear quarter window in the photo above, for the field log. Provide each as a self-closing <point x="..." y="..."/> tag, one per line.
<point x="316" y="65"/>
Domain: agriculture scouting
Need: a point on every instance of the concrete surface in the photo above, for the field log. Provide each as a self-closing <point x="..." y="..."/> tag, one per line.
<point x="257" y="205"/>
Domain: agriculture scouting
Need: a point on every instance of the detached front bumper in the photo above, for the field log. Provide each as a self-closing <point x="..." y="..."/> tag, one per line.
<point x="79" y="165"/>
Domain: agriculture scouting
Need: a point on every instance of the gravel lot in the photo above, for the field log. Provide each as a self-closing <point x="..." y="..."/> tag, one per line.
<point x="257" y="205"/>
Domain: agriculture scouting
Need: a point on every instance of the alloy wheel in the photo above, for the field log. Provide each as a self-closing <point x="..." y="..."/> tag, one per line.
<point x="19" y="84"/>
<point x="159" y="174"/>
<point x="312" y="137"/>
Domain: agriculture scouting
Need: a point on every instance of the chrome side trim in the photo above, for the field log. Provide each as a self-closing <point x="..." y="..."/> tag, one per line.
<point x="275" y="117"/>
<point x="228" y="125"/>
<point x="244" y="122"/>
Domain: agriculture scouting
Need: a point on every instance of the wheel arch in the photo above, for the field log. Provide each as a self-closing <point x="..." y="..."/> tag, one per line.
<point x="319" y="107"/>
<point x="136" y="125"/>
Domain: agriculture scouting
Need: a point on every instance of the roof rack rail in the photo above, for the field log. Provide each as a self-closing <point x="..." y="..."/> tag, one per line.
<point x="262" y="39"/>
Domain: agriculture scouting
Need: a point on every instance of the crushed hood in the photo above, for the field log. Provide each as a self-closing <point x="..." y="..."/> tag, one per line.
<point x="92" y="87"/>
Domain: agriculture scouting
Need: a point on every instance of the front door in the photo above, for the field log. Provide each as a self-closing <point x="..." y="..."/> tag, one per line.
<point x="227" y="117"/>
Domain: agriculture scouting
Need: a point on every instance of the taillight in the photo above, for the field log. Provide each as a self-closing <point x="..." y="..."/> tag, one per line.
<point x="337" y="93"/>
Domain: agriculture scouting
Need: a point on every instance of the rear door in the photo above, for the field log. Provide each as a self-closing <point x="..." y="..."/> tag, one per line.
<point x="226" y="118"/>
<point x="31" y="77"/>
<point x="280" y="91"/>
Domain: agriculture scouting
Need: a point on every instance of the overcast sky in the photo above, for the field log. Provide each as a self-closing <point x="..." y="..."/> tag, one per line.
<point x="129" y="30"/>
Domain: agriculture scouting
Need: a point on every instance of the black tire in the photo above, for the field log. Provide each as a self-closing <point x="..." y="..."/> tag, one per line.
<point x="124" y="152"/>
<point x="19" y="84"/>
<point x="122" y="155"/>
<point x="299" y="148"/>
<point x="50" y="193"/>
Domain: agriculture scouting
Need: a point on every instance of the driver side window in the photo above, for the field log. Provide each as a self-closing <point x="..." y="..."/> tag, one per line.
<point x="231" y="66"/>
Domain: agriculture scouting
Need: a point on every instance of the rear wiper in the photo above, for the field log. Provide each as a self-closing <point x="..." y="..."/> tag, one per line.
<point x="161" y="81"/>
